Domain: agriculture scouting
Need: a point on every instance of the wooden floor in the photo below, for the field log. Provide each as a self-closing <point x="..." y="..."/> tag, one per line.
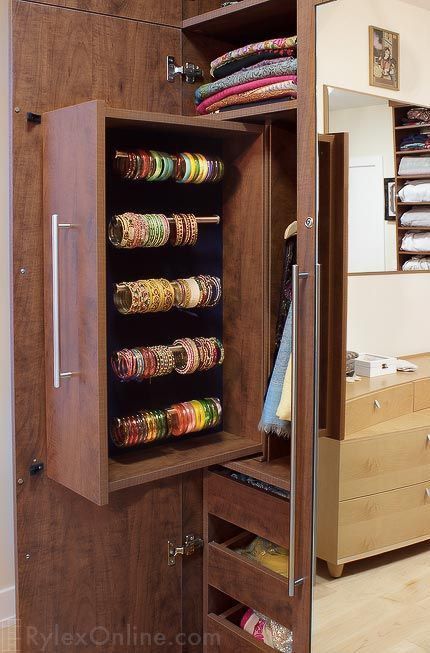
<point x="380" y="605"/>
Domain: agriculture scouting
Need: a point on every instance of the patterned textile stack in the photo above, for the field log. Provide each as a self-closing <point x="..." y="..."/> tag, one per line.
<point x="256" y="73"/>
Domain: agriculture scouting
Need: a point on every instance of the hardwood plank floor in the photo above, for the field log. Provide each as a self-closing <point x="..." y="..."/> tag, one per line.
<point x="8" y="639"/>
<point x="380" y="605"/>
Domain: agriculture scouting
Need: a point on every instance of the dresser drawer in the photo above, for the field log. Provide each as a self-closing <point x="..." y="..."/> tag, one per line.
<point x="378" y="407"/>
<point x="224" y="634"/>
<point x="383" y="521"/>
<point x="384" y="462"/>
<point x="422" y="394"/>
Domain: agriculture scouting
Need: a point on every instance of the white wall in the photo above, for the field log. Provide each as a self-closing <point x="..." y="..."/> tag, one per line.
<point x="371" y="134"/>
<point x="387" y="313"/>
<point x="7" y="580"/>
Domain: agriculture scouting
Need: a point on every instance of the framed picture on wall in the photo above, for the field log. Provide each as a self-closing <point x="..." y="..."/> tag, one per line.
<point x="390" y="198"/>
<point x="384" y="58"/>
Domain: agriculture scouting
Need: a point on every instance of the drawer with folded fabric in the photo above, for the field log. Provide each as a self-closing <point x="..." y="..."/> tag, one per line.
<point x="247" y="581"/>
<point x="224" y="634"/>
<point x="252" y="509"/>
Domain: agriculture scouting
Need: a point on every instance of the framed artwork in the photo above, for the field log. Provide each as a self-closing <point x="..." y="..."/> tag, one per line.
<point x="390" y="198"/>
<point x="384" y="58"/>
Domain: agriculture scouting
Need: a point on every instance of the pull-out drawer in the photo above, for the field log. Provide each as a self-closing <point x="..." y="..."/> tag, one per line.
<point x="384" y="462"/>
<point x="384" y="521"/>
<point x="249" y="508"/>
<point x="422" y="394"/>
<point x="224" y="634"/>
<point x="248" y="582"/>
<point x="378" y="407"/>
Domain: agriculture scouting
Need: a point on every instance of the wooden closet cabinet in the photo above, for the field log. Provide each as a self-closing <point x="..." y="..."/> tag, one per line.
<point x="99" y="525"/>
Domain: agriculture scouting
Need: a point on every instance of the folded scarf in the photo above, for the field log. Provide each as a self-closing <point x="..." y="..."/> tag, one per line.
<point x="269" y="422"/>
<point x="277" y="69"/>
<point x="241" y="88"/>
<point x="254" y="48"/>
<point x="280" y="89"/>
<point x="276" y="100"/>
<point x="252" y="60"/>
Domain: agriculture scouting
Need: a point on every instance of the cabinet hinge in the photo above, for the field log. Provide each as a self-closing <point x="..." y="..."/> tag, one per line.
<point x="190" y="71"/>
<point x="191" y="545"/>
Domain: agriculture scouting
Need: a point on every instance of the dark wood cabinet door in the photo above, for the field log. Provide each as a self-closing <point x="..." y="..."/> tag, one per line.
<point x="88" y="566"/>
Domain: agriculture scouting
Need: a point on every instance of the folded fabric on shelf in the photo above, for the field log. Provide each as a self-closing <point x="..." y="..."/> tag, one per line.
<point x="416" y="217"/>
<point x="269" y="45"/>
<point x="276" y="69"/>
<point x="275" y="100"/>
<point x="415" y="165"/>
<point x="241" y="88"/>
<point x="279" y="89"/>
<point x="415" y="142"/>
<point x="417" y="263"/>
<point x="416" y="242"/>
<point x="415" y="191"/>
<point x="253" y="61"/>
<point x="417" y="115"/>
<point x="268" y="554"/>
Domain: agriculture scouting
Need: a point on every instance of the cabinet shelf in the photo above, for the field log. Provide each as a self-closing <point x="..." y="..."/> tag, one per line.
<point x="276" y="472"/>
<point x="409" y="152"/>
<point x="405" y="127"/>
<point x="285" y="111"/>
<point x="134" y="468"/>
<point x="249" y="20"/>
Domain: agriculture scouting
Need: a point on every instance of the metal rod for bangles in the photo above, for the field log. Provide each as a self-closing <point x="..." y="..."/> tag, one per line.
<point x="207" y="219"/>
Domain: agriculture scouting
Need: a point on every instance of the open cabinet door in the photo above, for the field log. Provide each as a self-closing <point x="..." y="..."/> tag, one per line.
<point x="333" y="259"/>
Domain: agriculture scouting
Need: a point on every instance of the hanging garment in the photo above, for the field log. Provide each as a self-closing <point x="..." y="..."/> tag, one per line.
<point x="417" y="263"/>
<point x="242" y="88"/>
<point x="268" y="631"/>
<point x="276" y="69"/>
<point x="416" y="242"/>
<point x="415" y="165"/>
<point x="419" y="216"/>
<point x="415" y="191"/>
<point x="253" y="61"/>
<point x="254" y="48"/>
<point x="285" y="90"/>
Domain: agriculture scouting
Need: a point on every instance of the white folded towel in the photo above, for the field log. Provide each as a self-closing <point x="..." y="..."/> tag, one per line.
<point x="417" y="165"/>
<point x="416" y="242"/>
<point x="416" y="217"/>
<point x="415" y="191"/>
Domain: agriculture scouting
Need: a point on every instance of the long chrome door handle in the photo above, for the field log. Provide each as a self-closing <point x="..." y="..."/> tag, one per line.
<point x="58" y="374"/>
<point x="293" y="438"/>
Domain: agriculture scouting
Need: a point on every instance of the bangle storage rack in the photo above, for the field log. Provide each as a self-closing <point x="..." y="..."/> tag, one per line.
<point x="83" y="194"/>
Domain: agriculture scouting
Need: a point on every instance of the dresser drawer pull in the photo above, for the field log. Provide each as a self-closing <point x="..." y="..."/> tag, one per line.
<point x="428" y="492"/>
<point x="376" y="404"/>
<point x="428" y="438"/>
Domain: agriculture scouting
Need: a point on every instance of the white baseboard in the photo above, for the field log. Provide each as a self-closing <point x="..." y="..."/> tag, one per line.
<point x="7" y="606"/>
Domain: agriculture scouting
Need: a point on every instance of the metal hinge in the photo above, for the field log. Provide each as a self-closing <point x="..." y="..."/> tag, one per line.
<point x="190" y="71"/>
<point x="191" y="545"/>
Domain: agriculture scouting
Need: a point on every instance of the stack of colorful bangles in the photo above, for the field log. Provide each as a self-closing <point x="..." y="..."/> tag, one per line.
<point x="185" y="168"/>
<point x="178" y="420"/>
<point x="155" y="295"/>
<point x="131" y="230"/>
<point x="185" y="356"/>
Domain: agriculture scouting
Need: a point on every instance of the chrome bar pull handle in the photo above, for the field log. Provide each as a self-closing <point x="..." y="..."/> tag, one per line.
<point x="293" y="437"/>
<point x="58" y="374"/>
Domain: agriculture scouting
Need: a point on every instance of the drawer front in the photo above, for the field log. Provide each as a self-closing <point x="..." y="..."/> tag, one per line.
<point x="249" y="583"/>
<point x="378" y="522"/>
<point x="422" y="394"/>
<point x="249" y="508"/>
<point x="222" y="636"/>
<point x="382" y="463"/>
<point x="379" y="407"/>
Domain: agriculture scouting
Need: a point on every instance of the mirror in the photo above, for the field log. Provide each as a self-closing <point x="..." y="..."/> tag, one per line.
<point x="372" y="527"/>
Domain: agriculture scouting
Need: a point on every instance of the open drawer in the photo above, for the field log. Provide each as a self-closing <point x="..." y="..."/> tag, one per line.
<point x="247" y="581"/>
<point x="224" y="634"/>
<point x="252" y="509"/>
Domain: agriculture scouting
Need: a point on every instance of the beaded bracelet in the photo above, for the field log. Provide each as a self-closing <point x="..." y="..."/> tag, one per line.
<point x="177" y="420"/>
